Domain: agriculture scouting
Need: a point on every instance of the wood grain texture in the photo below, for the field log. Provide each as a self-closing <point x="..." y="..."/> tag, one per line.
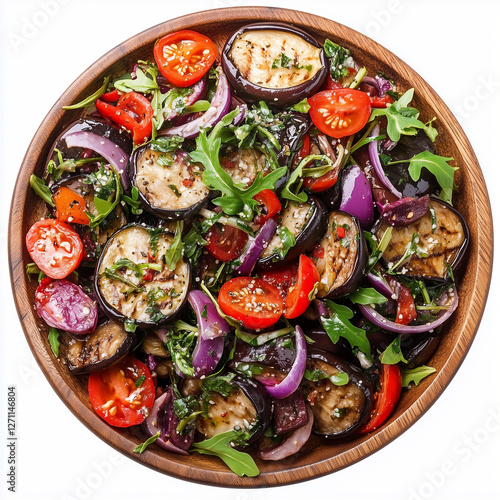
<point x="318" y="457"/>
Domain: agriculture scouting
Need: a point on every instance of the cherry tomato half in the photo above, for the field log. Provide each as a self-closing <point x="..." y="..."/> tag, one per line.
<point x="281" y="278"/>
<point x="297" y="299"/>
<point x="406" y="311"/>
<point x="184" y="57"/>
<point x="386" y="398"/>
<point x="271" y="203"/>
<point x="122" y="394"/>
<point x="54" y="247"/>
<point x="253" y="301"/>
<point x="226" y="243"/>
<point x="340" y="112"/>
<point x="70" y="206"/>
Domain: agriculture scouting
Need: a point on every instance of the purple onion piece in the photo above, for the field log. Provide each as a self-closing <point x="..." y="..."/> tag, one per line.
<point x="380" y="284"/>
<point x="403" y="212"/>
<point x="106" y="148"/>
<point x="198" y="89"/>
<point x="219" y="107"/>
<point x="161" y="333"/>
<point x="377" y="319"/>
<point x="255" y="246"/>
<point x="151" y="362"/>
<point x="377" y="165"/>
<point x="383" y="85"/>
<point x="236" y="102"/>
<point x="153" y="422"/>
<point x="293" y="442"/>
<point x="292" y="381"/>
<point x="212" y="329"/>
<point x="357" y="198"/>
<point x="68" y="308"/>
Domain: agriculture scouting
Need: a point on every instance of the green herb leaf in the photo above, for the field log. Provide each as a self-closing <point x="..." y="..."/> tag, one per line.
<point x="141" y="448"/>
<point x="220" y="446"/>
<point x="197" y="107"/>
<point x="140" y="381"/>
<point x="129" y="325"/>
<point x="54" y="341"/>
<point x="337" y="56"/>
<point x="176" y="249"/>
<point x="142" y="83"/>
<point x="379" y="249"/>
<point x="338" y="325"/>
<point x="393" y="355"/>
<point x="287" y="241"/>
<point x="262" y="338"/>
<point x="366" y="296"/>
<point x="340" y="378"/>
<point x="416" y="375"/>
<point x="301" y="107"/>
<point x="91" y="99"/>
<point x="41" y="189"/>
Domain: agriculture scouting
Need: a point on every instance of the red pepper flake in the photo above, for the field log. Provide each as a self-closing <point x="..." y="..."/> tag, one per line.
<point x="340" y="232"/>
<point x="187" y="183"/>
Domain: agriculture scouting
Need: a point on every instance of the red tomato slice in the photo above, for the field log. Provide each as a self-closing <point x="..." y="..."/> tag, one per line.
<point x="322" y="183"/>
<point x="297" y="299"/>
<point x="70" y="206"/>
<point x="406" y="311"/>
<point x="122" y="394"/>
<point x="381" y="102"/>
<point x="184" y="57"/>
<point x="303" y="151"/>
<point x="54" y="247"/>
<point x="340" y="112"/>
<point x="271" y="203"/>
<point x="281" y="278"/>
<point x="253" y="301"/>
<point x="386" y="398"/>
<point x="225" y="244"/>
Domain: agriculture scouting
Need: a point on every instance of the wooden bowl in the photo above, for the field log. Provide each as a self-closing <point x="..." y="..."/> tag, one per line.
<point x="318" y="457"/>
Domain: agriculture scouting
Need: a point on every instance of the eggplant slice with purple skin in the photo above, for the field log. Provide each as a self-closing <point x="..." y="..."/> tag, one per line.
<point x="274" y="62"/>
<point x="305" y="221"/>
<point x="170" y="185"/>
<point x="123" y="292"/>
<point x="339" y="410"/>
<point x="106" y="345"/>
<point x="341" y="256"/>
<point x="246" y="406"/>
<point x="442" y="233"/>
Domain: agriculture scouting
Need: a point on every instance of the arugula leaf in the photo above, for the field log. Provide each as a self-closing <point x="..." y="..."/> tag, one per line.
<point x="301" y="107"/>
<point x="142" y="83"/>
<point x="54" y="341"/>
<point x="287" y="241"/>
<point x="366" y="296"/>
<point x="41" y="189"/>
<point x="340" y="378"/>
<point x="166" y="144"/>
<point x="393" y="355"/>
<point x="338" y="56"/>
<point x="378" y="250"/>
<point x="338" y="325"/>
<point x="416" y="375"/>
<point x="176" y="249"/>
<point x="438" y="166"/>
<point x="234" y="199"/>
<point x="91" y="99"/>
<point x="105" y="206"/>
<point x="141" y="448"/>
<point x="220" y="446"/>
<point x="402" y="119"/>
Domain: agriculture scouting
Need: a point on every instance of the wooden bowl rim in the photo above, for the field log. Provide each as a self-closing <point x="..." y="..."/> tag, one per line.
<point x="214" y="475"/>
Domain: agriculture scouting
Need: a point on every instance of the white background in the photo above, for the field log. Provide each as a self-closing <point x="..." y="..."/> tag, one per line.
<point x="452" y="452"/>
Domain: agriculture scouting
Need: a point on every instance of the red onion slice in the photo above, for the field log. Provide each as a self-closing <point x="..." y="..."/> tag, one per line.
<point x="377" y="319"/>
<point x="377" y="165"/>
<point x="380" y="284"/>
<point x="212" y="328"/>
<point x="292" y="444"/>
<point x="357" y="198"/>
<point x="236" y="102"/>
<point x="292" y="381"/>
<point x="106" y="148"/>
<point x="403" y="212"/>
<point x="219" y="107"/>
<point x="198" y="89"/>
<point x="255" y="246"/>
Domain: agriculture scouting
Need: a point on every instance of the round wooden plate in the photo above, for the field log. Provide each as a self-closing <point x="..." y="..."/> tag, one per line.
<point x="318" y="457"/>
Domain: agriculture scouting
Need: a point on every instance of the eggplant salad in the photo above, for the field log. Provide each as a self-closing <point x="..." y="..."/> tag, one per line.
<point x="241" y="250"/>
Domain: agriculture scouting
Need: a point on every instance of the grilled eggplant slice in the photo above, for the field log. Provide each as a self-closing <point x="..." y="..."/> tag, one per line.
<point x="276" y="63"/>
<point x="170" y="185"/>
<point x="243" y="165"/>
<point x="442" y="233"/>
<point x="106" y="345"/>
<point x="341" y="256"/>
<point x="133" y="283"/>
<point x="339" y="410"/>
<point x="305" y="221"/>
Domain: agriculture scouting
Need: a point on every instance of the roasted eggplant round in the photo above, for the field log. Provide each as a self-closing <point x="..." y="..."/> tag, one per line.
<point x="442" y="234"/>
<point x="133" y="282"/>
<point x="339" y="410"/>
<point x="274" y="62"/>
<point x="170" y="186"/>
<point x="341" y="256"/>
<point x="306" y="222"/>
<point x="103" y="347"/>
